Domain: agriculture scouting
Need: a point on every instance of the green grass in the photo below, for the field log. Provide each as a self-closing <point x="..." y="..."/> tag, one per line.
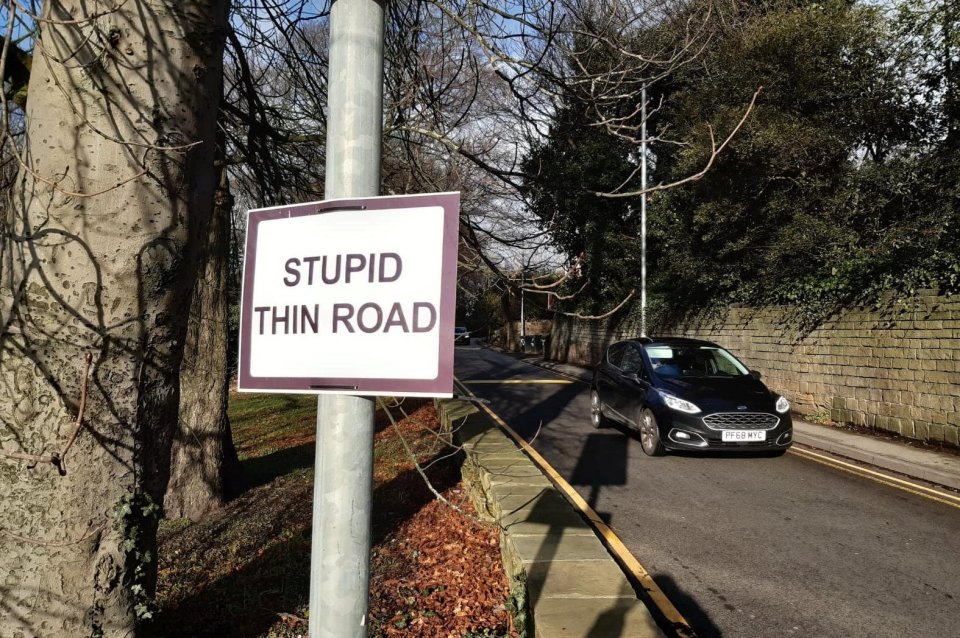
<point x="265" y="423"/>
<point x="233" y="574"/>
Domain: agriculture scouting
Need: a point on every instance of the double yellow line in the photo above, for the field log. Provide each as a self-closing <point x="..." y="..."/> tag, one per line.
<point x="939" y="496"/>
<point x="616" y="547"/>
<point x="929" y="493"/>
<point x="620" y="552"/>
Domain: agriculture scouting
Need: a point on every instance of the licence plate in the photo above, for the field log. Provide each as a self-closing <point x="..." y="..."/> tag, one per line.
<point x="743" y="436"/>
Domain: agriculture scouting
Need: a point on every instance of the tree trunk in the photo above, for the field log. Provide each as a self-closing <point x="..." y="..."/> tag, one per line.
<point x="99" y="253"/>
<point x="204" y="468"/>
<point x="510" y="341"/>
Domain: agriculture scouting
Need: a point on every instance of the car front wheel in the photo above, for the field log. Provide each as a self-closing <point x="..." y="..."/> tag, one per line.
<point x="596" y="412"/>
<point x="650" y="434"/>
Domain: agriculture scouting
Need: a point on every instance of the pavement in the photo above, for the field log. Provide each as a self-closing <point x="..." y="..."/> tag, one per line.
<point x="940" y="468"/>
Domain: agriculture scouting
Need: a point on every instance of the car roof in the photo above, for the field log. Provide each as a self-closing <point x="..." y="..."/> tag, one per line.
<point x="671" y="341"/>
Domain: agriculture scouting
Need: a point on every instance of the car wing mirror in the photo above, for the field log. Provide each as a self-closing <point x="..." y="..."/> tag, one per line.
<point x="633" y="376"/>
<point x="755" y="374"/>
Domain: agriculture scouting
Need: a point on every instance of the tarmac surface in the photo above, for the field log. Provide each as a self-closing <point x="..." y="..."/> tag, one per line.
<point x="806" y="544"/>
<point x="938" y="468"/>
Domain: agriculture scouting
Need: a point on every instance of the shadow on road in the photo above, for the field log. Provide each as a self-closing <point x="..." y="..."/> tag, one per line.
<point x="534" y="414"/>
<point x="602" y="462"/>
<point x="699" y="619"/>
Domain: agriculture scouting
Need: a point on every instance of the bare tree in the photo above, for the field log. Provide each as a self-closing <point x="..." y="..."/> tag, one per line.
<point x="498" y="72"/>
<point x="271" y="132"/>
<point x="99" y="250"/>
<point x="470" y="86"/>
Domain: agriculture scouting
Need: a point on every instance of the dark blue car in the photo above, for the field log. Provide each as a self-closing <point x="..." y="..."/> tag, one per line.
<point x="687" y="394"/>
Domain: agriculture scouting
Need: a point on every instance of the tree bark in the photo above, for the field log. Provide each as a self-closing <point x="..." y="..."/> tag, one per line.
<point x="510" y="341"/>
<point x="99" y="252"/>
<point x="204" y="468"/>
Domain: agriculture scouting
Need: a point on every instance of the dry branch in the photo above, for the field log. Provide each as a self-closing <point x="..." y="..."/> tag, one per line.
<point x="606" y="314"/>
<point x="57" y="458"/>
<point x="714" y="152"/>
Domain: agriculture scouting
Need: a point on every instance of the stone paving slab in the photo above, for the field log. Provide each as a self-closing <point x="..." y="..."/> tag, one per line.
<point x="505" y="490"/>
<point x="543" y="500"/>
<point x="573" y="586"/>
<point x="572" y="548"/>
<point x="543" y="522"/>
<point x="530" y="480"/>
<point x="593" y="618"/>
<point x="497" y="455"/>
<point x="580" y="579"/>
<point x="509" y="466"/>
<point x="486" y="439"/>
<point x="486" y="442"/>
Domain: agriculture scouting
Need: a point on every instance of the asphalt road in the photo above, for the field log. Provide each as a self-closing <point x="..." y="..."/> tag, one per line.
<point x="745" y="545"/>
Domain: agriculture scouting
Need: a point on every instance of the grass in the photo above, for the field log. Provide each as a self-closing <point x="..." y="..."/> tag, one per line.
<point x="820" y="418"/>
<point x="245" y="572"/>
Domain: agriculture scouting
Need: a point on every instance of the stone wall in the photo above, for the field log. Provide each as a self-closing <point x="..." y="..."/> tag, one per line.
<point x="894" y="366"/>
<point x="508" y="336"/>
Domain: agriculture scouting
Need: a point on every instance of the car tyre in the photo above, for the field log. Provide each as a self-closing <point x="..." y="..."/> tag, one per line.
<point x="596" y="412"/>
<point x="650" y="434"/>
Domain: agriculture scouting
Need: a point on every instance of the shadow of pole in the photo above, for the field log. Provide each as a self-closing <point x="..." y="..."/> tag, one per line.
<point x="613" y="621"/>
<point x="603" y="461"/>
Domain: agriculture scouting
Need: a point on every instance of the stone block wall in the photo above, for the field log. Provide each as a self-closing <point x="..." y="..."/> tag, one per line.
<point x="895" y="366"/>
<point x="508" y="337"/>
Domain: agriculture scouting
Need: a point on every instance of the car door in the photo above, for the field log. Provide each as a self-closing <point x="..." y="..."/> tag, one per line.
<point x="632" y="383"/>
<point x="608" y="376"/>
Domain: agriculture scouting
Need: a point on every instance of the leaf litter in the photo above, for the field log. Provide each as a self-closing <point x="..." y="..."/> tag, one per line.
<point x="435" y="572"/>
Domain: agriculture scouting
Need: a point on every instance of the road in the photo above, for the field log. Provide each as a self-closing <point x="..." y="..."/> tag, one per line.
<point x="744" y="545"/>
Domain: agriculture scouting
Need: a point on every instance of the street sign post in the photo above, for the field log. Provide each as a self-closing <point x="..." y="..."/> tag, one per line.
<point x="351" y="296"/>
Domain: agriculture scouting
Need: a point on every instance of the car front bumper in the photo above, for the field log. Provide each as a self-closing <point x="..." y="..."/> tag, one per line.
<point x="680" y="431"/>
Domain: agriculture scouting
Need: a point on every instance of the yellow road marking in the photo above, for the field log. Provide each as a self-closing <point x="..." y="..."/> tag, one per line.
<point x="878" y="477"/>
<point x="607" y="535"/>
<point x="557" y="372"/>
<point x="514" y="381"/>
<point x="920" y="490"/>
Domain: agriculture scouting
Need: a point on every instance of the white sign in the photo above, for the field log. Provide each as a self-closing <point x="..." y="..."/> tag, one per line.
<point x="351" y="296"/>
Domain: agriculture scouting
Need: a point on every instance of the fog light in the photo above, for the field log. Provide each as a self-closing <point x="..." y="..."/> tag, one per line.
<point x="686" y="438"/>
<point x="785" y="438"/>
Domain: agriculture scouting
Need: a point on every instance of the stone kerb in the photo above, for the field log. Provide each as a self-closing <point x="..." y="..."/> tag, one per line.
<point x="555" y="562"/>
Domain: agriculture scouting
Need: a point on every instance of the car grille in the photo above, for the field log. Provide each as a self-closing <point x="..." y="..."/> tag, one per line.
<point x="741" y="421"/>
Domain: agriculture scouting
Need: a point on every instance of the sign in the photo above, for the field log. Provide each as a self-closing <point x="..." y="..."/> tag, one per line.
<point x="351" y="296"/>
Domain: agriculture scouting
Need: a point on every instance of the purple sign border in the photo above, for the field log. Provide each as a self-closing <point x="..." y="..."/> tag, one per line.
<point x="442" y="385"/>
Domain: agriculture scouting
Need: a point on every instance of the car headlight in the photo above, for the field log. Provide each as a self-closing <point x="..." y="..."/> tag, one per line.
<point x="782" y="405"/>
<point x="676" y="403"/>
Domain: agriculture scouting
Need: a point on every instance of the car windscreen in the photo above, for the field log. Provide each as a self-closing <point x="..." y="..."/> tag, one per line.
<point x="693" y="361"/>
